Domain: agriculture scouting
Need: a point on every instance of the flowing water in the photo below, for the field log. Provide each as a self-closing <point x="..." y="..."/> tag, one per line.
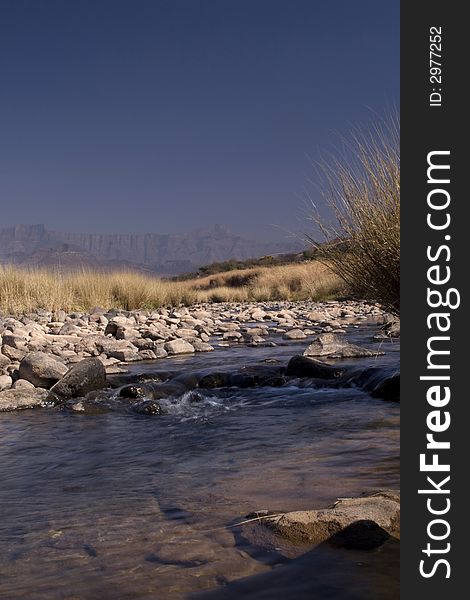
<point x="121" y="505"/>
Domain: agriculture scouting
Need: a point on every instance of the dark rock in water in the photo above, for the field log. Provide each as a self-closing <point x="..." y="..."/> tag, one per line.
<point x="147" y="407"/>
<point x="214" y="380"/>
<point x="194" y="397"/>
<point x="87" y="375"/>
<point x="379" y="382"/>
<point x="333" y="346"/>
<point x="41" y="369"/>
<point x="274" y="381"/>
<point x="189" y="380"/>
<point x="121" y="379"/>
<point x="156" y="376"/>
<point x="132" y="391"/>
<point x="302" y="366"/>
<point x="153" y="391"/>
<point x="388" y="389"/>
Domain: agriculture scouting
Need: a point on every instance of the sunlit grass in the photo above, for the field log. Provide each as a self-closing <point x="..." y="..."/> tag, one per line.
<point x="27" y="290"/>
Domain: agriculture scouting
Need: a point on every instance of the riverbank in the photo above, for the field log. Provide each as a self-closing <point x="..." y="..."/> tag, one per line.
<point x="39" y="348"/>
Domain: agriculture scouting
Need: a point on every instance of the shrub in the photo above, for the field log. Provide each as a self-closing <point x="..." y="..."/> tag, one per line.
<point x="363" y="192"/>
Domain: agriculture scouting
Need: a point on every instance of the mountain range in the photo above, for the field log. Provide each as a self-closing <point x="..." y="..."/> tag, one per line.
<point x="163" y="254"/>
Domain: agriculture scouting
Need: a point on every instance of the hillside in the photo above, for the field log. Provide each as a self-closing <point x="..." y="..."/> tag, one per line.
<point x="164" y="254"/>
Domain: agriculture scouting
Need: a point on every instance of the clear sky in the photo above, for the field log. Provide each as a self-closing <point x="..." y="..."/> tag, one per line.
<point x="165" y="115"/>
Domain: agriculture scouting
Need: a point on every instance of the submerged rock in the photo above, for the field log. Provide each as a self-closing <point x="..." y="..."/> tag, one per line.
<point x="132" y="391"/>
<point x="302" y="366"/>
<point x="379" y="382"/>
<point x="214" y="380"/>
<point x="152" y="390"/>
<point x="89" y="407"/>
<point x="147" y="407"/>
<point x="388" y="389"/>
<point x="87" y="375"/>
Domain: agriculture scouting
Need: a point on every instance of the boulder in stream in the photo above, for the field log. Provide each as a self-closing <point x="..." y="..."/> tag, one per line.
<point x="303" y="366"/>
<point x="332" y="345"/>
<point x="363" y="522"/>
<point x="86" y="376"/>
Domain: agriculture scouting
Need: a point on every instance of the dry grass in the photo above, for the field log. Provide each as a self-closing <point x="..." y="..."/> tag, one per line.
<point x="363" y="192"/>
<point x="26" y="290"/>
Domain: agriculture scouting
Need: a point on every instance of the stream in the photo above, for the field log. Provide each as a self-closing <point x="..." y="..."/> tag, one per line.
<point x="122" y="505"/>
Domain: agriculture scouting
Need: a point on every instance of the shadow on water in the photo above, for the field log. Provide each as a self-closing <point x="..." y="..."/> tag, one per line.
<point x="324" y="573"/>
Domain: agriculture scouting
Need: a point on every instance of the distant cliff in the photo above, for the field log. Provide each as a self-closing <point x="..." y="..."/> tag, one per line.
<point x="35" y="245"/>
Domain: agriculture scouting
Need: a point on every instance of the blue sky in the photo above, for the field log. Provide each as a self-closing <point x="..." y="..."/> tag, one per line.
<point x="165" y="115"/>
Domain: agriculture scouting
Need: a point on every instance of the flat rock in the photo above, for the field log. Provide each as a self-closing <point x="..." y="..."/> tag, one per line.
<point x="21" y="399"/>
<point x="333" y="346"/>
<point x="179" y="346"/>
<point x="200" y="346"/>
<point x="294" y="334"/>
<point x="316" y="526"/>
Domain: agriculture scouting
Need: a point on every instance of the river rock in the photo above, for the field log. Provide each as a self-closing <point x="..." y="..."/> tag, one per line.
<point x="214" y="380"/>
<point x="123" y="350"/>
<point x="200" y="346"/>
<point x="147" y="407"/>
<point x="147" y="355"/>
<point x="333" y="346"/>
<point x="14" y="354"/>
<point x="21" y="399"/>
<point x="4" y="361"/>
<point x="5" y="382"/>
<point x="70" y="328"/>
<point x="41" y="369"/>
<point x="179" y="346"/>
<point x="303" y="366"/>
<point x="381" y="509"/>
<point x="17" y="341"/>
<point x="85" y="376"/>
<point x="294" y="334"/>
<point x="388" y="389"/>
<point x="23" y="384"/>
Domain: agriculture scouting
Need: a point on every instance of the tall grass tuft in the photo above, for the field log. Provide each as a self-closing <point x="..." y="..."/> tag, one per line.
<point x="363" y="192"/>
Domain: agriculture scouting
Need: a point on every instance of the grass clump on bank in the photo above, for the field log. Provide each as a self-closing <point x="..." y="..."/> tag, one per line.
<point x="363" y="191"/>
<point x="26" y="290"/>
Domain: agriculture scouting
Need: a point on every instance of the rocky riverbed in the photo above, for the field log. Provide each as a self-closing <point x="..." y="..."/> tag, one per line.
<point x="132" y="477"/>
<point x="48" y="358"/>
